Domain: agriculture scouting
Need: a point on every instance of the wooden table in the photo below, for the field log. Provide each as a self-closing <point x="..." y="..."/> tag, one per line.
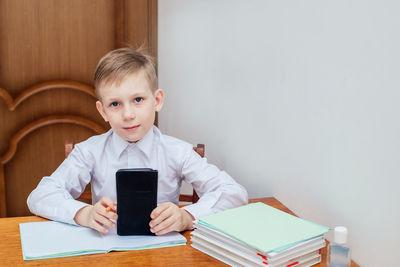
<point x="11" y="252"/>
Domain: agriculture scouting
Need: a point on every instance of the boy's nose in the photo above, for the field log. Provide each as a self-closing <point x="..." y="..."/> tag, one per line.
<point x="129" y="113"/>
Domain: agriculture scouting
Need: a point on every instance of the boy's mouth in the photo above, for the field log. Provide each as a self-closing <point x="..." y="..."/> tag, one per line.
<point x="131" y="127"/>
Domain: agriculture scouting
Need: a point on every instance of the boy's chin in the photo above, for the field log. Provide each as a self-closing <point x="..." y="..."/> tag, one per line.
<point x="132" y="139"/>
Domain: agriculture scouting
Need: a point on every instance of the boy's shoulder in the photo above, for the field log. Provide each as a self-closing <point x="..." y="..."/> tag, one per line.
<point x="173" y="143"/>
<point x="95" y="140"/>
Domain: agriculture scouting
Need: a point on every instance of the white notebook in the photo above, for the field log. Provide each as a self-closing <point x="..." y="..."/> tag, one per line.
<point x="210" y="242"/>
<point x="263" y="227"/>
<point x="41" y="240"/>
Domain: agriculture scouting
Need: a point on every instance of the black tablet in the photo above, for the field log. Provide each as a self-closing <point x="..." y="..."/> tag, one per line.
<point x="136" y="199"/>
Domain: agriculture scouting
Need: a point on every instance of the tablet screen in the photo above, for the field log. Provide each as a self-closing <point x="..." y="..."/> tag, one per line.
<point x="136" y="199"/>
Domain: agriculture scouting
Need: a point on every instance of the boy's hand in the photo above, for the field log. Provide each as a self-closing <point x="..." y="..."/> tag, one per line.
<point x="168" y="217"/>
<point x="98" y="216"/>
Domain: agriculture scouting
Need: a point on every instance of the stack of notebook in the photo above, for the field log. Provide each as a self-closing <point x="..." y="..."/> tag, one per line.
<point x="259" y="235"/>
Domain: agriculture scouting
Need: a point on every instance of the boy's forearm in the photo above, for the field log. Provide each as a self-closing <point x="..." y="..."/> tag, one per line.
<point x="48" y="201"/>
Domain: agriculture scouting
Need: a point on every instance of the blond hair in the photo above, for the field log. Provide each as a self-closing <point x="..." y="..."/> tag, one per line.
<point x="119" y="63"/>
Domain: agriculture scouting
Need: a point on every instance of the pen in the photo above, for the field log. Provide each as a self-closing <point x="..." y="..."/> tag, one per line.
<point x="109" y="208"/>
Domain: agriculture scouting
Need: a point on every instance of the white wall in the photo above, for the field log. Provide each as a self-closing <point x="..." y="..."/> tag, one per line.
<point x="295" y="99"/>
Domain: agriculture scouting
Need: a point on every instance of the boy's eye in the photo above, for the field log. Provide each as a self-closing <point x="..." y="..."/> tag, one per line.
<point x="138" y="99"/>
<point x="114" y="104"/>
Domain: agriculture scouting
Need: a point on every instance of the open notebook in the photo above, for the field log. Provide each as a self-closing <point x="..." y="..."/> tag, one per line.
<point x="42" y="240"/>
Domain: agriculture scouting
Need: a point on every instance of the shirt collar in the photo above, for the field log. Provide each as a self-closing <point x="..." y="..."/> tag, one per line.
<point x="145" y="144"/>
<point x="118" y="144"/>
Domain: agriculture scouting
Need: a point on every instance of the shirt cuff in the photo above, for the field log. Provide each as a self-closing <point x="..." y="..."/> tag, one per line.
<point x="197" y="210"/>
<point x="70" y="208"/>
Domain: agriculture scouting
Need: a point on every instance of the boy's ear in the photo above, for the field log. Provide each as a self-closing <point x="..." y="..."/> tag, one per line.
<point x="159" y="96"/>
<point x="100" y="109"/>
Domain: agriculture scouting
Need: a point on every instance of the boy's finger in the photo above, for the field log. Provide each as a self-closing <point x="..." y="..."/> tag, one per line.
<point x="104" y="221"/>
<point x="107" y="212"/>
<point x="164" y="231"/>
<point x="157" y="211"/>
<point x="164" y="227"/>
<point x="96" y="226"/>
<point x="112" y="208"/>
<point x="107" y="202"/>
<point x="160" y="217"/>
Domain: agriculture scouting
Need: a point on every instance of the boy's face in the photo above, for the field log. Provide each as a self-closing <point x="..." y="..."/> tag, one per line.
<point x="130" y="107"/>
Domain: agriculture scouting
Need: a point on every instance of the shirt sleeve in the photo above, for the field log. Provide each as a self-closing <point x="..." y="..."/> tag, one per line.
<point x="54" y="197"/>
<point x="216" y="189"/>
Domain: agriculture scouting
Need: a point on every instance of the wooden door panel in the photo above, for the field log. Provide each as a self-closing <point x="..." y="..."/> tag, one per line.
<point x="33" y="151"/>
<point x="56" y="101"/>
<point x="53" y="39"/>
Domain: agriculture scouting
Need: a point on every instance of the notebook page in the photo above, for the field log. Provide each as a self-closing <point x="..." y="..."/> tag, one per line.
<point x="55" y="239"/>
<point x="115" y="242"/>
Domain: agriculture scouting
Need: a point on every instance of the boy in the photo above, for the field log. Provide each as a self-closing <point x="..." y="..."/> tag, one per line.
<point x="126" y="85"/>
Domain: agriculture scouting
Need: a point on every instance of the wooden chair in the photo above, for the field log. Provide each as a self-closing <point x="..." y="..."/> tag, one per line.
<point x="86" y="195"/>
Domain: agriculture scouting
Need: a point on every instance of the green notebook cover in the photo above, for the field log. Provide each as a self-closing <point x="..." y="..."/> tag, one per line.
<point x="263" y="227"/>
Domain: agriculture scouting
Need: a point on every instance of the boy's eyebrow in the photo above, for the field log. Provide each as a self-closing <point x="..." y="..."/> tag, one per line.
<point x="111" y="99"/>
<point x="138" y="94"/>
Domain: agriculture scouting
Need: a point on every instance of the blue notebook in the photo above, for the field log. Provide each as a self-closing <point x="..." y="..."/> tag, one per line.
<point x="42" y="240"/>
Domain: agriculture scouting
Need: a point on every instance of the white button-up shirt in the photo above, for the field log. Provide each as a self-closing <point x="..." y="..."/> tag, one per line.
<point x="97" y="159"/>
